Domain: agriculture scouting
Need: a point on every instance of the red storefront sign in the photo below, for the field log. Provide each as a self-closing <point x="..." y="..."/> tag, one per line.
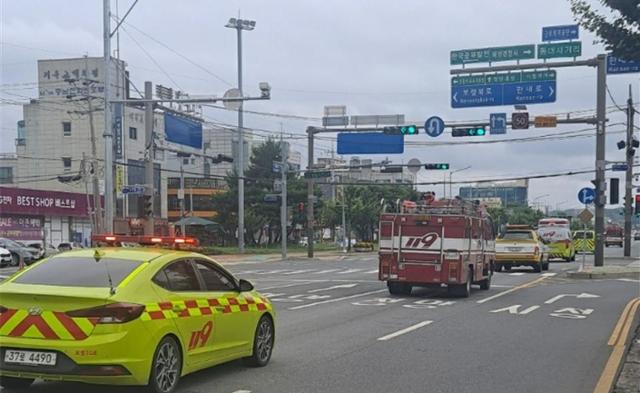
<point x="42" y="203"/>
<point x="23" y="228"/>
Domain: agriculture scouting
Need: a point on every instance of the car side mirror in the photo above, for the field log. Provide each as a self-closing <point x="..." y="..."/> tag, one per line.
<point x="245" y="286"/>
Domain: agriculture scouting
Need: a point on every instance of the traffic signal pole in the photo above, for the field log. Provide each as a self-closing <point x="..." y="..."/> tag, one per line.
<point x="628" y="188"/>
<point x="149" y="183"/>
<point x="310" y="197"/>
<point x="599" y="63"/>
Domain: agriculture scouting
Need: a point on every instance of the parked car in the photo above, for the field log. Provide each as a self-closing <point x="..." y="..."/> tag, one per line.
<point x="66" y="246"/>
<point x="17" y="252"/>
<point x="636" y="235"/>
<point x="5" y="257"/>
<point x="45" y="251"/>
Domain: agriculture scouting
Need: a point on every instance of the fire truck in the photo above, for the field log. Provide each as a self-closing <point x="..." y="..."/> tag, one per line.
<point x="435" y="243"/>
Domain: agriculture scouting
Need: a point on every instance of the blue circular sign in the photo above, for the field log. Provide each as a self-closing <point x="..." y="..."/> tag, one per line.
<point x="434" y="126"/>
<point x="587" y="195"/>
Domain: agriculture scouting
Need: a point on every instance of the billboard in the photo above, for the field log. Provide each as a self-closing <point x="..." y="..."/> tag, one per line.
<point x="23" y="228"/>
<point x="182" y="131"/>
<point x="370" y="143"/>
<point x="46" y="203"/>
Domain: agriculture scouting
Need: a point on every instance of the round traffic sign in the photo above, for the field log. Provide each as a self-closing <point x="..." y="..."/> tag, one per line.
<point x="414" y="165"/>
<point x="232" y="93"/>
<point x="587" y="195"/>
<point x="434" y="126"/>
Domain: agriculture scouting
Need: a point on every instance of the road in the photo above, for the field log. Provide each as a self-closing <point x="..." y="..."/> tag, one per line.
<point x="338" y="330"/>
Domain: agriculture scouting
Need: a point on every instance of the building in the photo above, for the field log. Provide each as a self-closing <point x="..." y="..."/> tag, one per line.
<point x="514" y="193"/>
<point x="197" y="197"/>
<point x="8" y="168"/>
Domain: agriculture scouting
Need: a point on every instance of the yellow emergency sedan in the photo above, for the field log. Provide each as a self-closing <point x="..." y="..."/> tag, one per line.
<point x="128" y="316"/>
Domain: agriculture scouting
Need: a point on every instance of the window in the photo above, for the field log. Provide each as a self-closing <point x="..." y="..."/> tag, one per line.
<point x="78" y="272"/>
<point x="214" y="280"/>
<point x="185" y="161"/>
<point x="181" y="276"/>
<point x="133" y="133"/>
<point x="66" y="163"/>
<point x="162" y="280"/>
<point x="66" y="128"/>
<point x="6" y="175"/>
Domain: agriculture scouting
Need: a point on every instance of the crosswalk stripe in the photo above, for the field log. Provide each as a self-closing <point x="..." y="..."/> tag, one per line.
<point x="325" y="271"/>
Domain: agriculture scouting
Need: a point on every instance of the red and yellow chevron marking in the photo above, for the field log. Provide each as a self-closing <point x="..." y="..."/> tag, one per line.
<point x="51" y="325"/>
<point x="198" y="307"/>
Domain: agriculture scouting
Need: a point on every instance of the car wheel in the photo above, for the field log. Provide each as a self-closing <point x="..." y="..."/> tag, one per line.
<point x="497" y="268"/>
<point x="399" y="288"/>
<point x="507" y="268"/>
<point x="262" y="343"/>
<point x="15" y="260"/>
<point x="538" y="267"/>
<point x="166" y="367"/>
<point x="486" y="283"/>
<point x="15" y="383"/>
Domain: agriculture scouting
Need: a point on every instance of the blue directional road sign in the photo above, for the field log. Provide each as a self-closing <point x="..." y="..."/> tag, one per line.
<point x="619" y="66"/>
<point x="133" y="190"/>
<point x="498" y="123"/>
<point x="560" y="33"/>
<point x="619" y="167"/>
<point x="276" y="167"/>
<point x="434" y="126"/>
<point x="538" y="92"/>
<point x="587" y="195"/>
<point x="370" y="143"/>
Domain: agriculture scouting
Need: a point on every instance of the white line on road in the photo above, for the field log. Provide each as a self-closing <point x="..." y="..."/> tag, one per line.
<point x="333" y="287"/>
<point x="314" y="280"/>
<point x="497" y="295"/>
<point x="325" y="271"/>
<point x="296" y="272"/>
<point x="242" y="391"/>
<point x="372" y="271"/>
<point x="337" y="299"/>
<point x="517" y="274"/>
<point x="287" y="285"/>
<point x="548" y="274"/>
<point x="628" y="280"/>
<point x="405" y="330"/>
<point x="348" y="271"/>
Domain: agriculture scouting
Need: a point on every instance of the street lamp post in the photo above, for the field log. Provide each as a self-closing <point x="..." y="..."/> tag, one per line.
<point x="450" y="177"/>
<point x="240" y="25"/>
<point x="534" y="201"/>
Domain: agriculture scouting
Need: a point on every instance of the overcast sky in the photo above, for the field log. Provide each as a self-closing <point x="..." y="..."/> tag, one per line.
<point x="374" y="56"/>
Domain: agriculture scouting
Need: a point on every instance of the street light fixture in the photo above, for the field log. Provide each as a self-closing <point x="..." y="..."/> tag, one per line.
<point x="450" y="177"/>
<point x="240" y="25"/>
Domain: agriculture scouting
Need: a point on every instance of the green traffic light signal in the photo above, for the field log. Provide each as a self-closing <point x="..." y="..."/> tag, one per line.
<point x="480" y="131"/>
<point x="409" y="130"/>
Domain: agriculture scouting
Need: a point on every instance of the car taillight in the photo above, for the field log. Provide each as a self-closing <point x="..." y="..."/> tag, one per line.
<point x="110" y="313"/>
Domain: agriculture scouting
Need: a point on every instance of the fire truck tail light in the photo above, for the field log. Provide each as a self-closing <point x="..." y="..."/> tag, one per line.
<point x="156" y="240"/>
<point x="179" y="240"/>
<point x="110" y="238"/>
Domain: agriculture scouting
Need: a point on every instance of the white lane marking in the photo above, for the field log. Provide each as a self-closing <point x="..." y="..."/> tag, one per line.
<point x="583" y="295"/>
<point x="333" y="287"/>
<point x="405" y="330"/>
<point x="242" y="391"/>
<point x="337" y="299"/>
<point x="548" y="274"/>
<point x="348" y="271"/>
<point x="501" y="286"/>
<point x="516" y="274"/>
<point x="499" y="294"/>
<point x="515" y="309"/>
<point x="372" y="271"/>
<point x="325" y="271"/>
<point x="628" y="280"/>
<point x="296" y="272"/>
<point x="286" y="286"/>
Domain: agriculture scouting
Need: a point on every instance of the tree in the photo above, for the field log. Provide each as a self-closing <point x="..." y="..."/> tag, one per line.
<point x="523" y="215"/>
<point x="620" y="33"/>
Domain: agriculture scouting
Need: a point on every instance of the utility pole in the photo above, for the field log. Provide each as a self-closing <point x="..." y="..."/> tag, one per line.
<point x="601" y="119"/>
<point x="628" y="199"/>
<point x="344" y="222"/>
<point x="310" y="196"/>
<point x="108" y="135"/>
<point x="149" y="183"/>
<point x="181" y="197"/>
<point x="283" y="206"/>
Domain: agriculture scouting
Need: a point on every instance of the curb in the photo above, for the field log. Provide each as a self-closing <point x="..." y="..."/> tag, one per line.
<point x="587" y="275"/>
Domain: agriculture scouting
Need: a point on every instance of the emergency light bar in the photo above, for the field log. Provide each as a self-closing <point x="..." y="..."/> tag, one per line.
<point x="145" y="240"/>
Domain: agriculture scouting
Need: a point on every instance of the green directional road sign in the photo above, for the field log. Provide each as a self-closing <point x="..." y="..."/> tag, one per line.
<point x="317" y="174"/>
<point x="488" y="55"/>
<point x="561" y="49"/>
<point x="514" y="77"/>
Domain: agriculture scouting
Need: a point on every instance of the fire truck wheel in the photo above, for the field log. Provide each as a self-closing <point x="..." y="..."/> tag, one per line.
<point x="399" y="288"/>
<point x="545" y="266"/>
<point x="462" y="290"/>
<point x="486" y="283"/>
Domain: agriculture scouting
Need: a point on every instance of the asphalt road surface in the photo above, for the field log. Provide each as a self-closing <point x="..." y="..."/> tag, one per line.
<point x="339" y="330"/>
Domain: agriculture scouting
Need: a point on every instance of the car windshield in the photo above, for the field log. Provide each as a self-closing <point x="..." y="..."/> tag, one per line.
<point x="78" y="272"/>
<point x="9" y="243"/>
<point x="525" y="235"/>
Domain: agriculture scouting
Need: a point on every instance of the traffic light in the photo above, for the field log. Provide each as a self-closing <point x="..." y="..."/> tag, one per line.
<point x="221" y="158"/>
<point x="391" y="169"/>
<point x="614" y="194"/>
<point x="472" y="131"/>
<point x="147" y="205"/>
<point x="439" y="166"/>
<point x="411" y="129"/>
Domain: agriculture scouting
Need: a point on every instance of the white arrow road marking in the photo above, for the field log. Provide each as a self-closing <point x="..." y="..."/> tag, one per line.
<point x="572" y="313"/>
<point x="516" y="274"/>
<point x="372" y="271"/>
<point x="405" y="330"/>
<point x="515" y="309"/>
<point x="579" y="296"/>
<point x="333" y="287"/>
<point x="337" y="299"/>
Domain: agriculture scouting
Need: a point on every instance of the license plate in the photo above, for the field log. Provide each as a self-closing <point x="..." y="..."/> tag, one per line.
<point x="31" y="358"/>
<point x="514" y="249"/>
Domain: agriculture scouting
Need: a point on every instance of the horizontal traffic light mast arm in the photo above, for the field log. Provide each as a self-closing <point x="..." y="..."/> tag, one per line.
<point x="515" y="67"/>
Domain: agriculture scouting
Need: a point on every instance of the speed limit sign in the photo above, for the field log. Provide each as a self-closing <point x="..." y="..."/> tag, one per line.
<point x="520" y="120"/>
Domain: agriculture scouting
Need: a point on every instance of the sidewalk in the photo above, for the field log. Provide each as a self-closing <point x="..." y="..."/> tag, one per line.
<point x="614" y="267"/>
<point x="248" y="258"/>
<point x="629" y="378"/>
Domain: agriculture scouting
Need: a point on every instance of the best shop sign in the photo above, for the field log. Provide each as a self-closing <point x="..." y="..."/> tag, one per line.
<point x="46" y="203"/>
